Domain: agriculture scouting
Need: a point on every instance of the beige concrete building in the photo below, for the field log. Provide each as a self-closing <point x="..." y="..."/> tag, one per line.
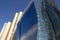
<point x="8" y="31"/>
<point x="4" y="31"/>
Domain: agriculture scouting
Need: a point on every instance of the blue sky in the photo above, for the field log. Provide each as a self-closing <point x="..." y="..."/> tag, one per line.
<point x="58" y="4"/>
<point x="9" y="7"/>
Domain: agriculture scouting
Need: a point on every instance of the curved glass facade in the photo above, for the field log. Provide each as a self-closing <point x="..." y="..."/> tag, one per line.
<point x="54" y="18"/>
<point x="28" y="26"/>
<point x="42" y="28"/>
<point x="39" y="22"/>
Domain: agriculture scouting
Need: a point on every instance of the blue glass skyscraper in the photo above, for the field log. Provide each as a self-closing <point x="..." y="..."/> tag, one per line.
<point x="40" y="22"/>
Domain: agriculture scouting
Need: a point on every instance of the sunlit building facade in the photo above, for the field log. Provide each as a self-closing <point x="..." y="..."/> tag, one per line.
<point x="9" y="28"/>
